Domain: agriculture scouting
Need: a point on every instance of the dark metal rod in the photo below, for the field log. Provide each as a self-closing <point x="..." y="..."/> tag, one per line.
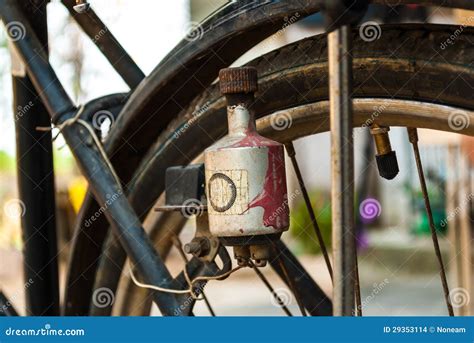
<point x="270" y="288"/>
<point x="6" y="307"/>
<point x="358" y="301"/>
<point x="179" y="246"/>
<point x="121" y="216"/>
<point x="342" y="169"/>
<point x="413" y="137"/>
<point x="35" y="58"/>
<point x="101" y="178"/>
<point x="103" y="38"/>
<point x="290" y="149"/>
<point x="35" y="177"/>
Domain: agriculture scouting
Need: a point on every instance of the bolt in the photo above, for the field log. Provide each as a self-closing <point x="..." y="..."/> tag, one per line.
<point x="199" y="247"/>
<point x="192" y="248"/>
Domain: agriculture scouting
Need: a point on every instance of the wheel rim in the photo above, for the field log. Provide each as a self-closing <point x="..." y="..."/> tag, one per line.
<point x="304" y="121"/>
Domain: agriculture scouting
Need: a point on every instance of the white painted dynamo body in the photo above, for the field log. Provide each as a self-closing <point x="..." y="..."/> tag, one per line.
<point x="245" y="181"/>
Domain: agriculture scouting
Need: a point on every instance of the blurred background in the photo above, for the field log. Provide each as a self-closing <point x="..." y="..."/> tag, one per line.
<point x="398" y="269"/>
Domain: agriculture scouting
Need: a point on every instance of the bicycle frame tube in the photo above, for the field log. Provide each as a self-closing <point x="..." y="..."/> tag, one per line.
<point x="92" y="163"/>
<point x="103" y="38"/>
<point x="229" y="32"/>
<point x="36" y="184"/>
<point x="60" y="106"/>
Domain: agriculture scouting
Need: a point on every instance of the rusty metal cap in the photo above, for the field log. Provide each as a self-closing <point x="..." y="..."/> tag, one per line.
<point x="238" y="80"/>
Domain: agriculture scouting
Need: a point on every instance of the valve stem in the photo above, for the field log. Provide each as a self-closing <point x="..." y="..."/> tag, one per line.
<point x="386" y="158"/>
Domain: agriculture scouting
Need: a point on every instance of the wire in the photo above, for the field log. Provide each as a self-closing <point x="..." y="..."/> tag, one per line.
<point x="153" y="287"/>
<point x="180" y="291"/>
<point x="98" y="143"/>
<point x="217" y="277"/>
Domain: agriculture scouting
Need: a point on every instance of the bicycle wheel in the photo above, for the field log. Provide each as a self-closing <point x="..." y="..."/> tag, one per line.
<point x="405" y="68"/>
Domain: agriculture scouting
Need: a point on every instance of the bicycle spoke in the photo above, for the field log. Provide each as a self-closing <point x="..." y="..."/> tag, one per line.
<point x="358" y="302"/>
<point x="314" y="299"/>
<point x="290" y="149"/>
<point x="178" y="244"/>
<point x="413" y="138"/>
<point x="270" y="288"/>
<point x="289" y="280"/>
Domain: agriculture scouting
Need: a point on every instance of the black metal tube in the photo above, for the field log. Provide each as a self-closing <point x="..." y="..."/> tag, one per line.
<point x="117" y="209"/>
<point x="35" y="177"/>
<point x="103" y="38"/>
<point x="104" y="186"/>
<point x="34" y="55"/>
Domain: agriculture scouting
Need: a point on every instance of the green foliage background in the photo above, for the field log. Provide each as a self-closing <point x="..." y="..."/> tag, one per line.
<point x="301" y="227"/>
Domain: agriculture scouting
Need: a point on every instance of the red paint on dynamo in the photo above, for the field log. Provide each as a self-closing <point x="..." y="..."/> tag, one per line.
<point x="253" y="139"/>
<point x="273" y="198"/>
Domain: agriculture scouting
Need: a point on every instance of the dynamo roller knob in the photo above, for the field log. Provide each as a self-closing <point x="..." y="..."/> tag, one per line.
<point x="238" y="80"/>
